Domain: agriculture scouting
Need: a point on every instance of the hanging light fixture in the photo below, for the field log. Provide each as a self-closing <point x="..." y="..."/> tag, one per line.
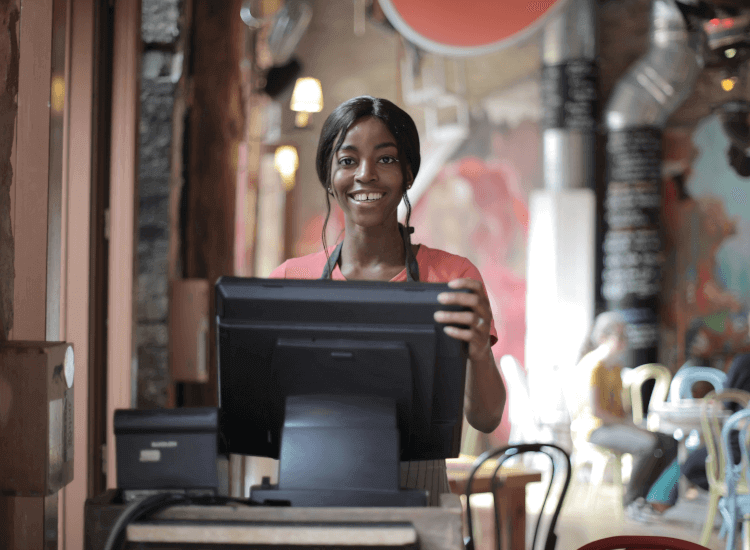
<point x="307" y="98"/>
<point x="286" y="162"/>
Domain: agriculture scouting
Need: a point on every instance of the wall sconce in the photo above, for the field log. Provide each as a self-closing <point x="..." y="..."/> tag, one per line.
<point x="57" y="96"/>
<point x="727" y="84"/>
<point x="286" y="162"/>
<point x="307" y="98"/>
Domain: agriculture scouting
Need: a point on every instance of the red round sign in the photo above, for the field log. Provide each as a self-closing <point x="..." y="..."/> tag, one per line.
<point x="471" y="27"/>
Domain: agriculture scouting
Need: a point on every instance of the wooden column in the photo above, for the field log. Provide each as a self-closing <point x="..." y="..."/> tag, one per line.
<point x="31" y="522"/>
<point x="30" y="196"/>
<point x="217" y="121"/>
<point x="9" y="66"/>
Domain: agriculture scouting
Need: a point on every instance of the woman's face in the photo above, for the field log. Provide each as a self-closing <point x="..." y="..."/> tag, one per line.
<point x="366" y="176"/>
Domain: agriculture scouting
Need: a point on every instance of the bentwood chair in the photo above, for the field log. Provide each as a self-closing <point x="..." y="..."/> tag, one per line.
<point x="712" y="407"/>
<point x="560" y="480"/>
<point x="735" y="506"/>
<point x="641" y="542"/>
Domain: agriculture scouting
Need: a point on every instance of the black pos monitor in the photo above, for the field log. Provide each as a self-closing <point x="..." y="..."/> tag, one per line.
<point x="339" y="380"/>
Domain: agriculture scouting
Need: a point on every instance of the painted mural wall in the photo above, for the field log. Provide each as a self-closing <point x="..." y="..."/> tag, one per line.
<point x="706" y="294"/>
<point x="477" y="207"/>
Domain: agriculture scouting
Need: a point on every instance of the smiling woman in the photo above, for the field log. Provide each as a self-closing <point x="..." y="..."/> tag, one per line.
<point x="368" y="156"/>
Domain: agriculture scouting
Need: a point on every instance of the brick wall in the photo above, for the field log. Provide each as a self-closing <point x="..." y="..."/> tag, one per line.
<point x="161" y="71"/>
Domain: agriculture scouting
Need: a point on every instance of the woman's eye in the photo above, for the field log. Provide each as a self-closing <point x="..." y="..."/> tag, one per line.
<point x="388" y="160"/>
<point x="346" y="161"/>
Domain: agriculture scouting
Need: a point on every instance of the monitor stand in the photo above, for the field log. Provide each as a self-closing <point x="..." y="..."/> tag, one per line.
<point x="339" y="451"/>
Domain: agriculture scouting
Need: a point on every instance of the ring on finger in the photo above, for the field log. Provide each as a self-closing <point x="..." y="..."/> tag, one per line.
<point x="480" y="322"/>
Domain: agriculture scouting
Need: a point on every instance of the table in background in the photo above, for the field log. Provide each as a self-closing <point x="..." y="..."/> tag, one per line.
<point x="511" y="494"/>
<point x="684" y="415"/>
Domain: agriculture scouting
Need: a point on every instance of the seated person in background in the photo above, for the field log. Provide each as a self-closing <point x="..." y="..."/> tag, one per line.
<point x="698" y="354"/>
<point x="368" y="156"/>
<point x="663" y="493"/>
<point x="601" y="417"/>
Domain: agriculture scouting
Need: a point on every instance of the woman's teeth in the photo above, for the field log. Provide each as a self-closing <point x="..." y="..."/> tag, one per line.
<point x="366" y="197"/>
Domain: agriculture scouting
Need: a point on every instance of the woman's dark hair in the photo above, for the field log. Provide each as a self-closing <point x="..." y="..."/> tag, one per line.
<point x="398" y="122"/>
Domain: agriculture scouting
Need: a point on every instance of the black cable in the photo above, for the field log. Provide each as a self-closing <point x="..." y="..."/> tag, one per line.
<point x="148" y="505"/>
<point x="219" y="500"/>
<point x="136" y="509"/>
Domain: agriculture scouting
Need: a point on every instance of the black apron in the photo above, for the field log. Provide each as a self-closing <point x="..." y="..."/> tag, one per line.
<point x="430" y="475"/>
<point x="412" y="268"/>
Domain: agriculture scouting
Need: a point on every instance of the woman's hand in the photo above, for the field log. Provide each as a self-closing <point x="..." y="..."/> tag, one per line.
<point x="477" y="321"/>
<point x="485" y="392"/>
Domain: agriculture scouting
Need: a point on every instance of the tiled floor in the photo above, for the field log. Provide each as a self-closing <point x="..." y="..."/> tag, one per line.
<point x="583" y="520"/>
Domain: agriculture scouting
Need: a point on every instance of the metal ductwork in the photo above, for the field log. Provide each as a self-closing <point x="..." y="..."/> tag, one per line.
<point x="661" y="80"/>
<point x="636" y="113"/>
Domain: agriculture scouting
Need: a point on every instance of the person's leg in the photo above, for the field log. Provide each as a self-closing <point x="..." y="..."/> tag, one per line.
<point x="663" y="493"/>
<point x="650" y="465"/>
<point x="629" y="439"/>
<point x="694" y="468"/>
<point x="624" y="438"/>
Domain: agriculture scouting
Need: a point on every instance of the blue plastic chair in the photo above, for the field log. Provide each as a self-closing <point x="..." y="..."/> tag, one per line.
<point x="684" y="379"/>
<point x="735" y="506"/>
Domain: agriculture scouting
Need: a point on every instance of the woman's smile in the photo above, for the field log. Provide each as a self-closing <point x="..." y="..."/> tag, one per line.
<point x="362" y="197"/>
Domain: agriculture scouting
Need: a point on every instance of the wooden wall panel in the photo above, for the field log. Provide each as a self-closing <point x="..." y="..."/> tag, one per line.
<point x="76" y="237"/>
<point x="120" y="340"/>
<point x="32" y="172"/>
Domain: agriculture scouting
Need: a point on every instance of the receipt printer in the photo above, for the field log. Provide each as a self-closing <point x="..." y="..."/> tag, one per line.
<point x="36" y="417"/>
<point x="167" y="450"/>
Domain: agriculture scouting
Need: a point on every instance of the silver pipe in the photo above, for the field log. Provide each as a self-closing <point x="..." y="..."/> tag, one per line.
<point x="569" y="44"/>
<point x="661" y="80"/>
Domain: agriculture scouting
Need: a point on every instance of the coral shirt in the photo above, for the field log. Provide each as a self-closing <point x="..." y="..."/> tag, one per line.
<point x="435" y="266"/>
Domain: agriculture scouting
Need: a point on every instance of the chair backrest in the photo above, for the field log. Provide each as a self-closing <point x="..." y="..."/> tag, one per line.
<point x="641" y="542"/>
<point x="682" y="383"/>
<point x="711" y="407"/>
<point x="635" y="379"/>
<point x="561" y="473"/>
<point x="738" y="421"/>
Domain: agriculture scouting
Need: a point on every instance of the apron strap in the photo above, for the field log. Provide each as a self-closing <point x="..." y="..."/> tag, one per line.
<point x="412" y="267"/>
<point x="333" y="259"/>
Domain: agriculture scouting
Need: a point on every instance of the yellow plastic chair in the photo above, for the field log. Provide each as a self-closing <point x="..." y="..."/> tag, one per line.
<point x="587" y="453"/>
<point x="634" y="380"/>
<point x="711" y="406"/>
<point x="600" y="458"/>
